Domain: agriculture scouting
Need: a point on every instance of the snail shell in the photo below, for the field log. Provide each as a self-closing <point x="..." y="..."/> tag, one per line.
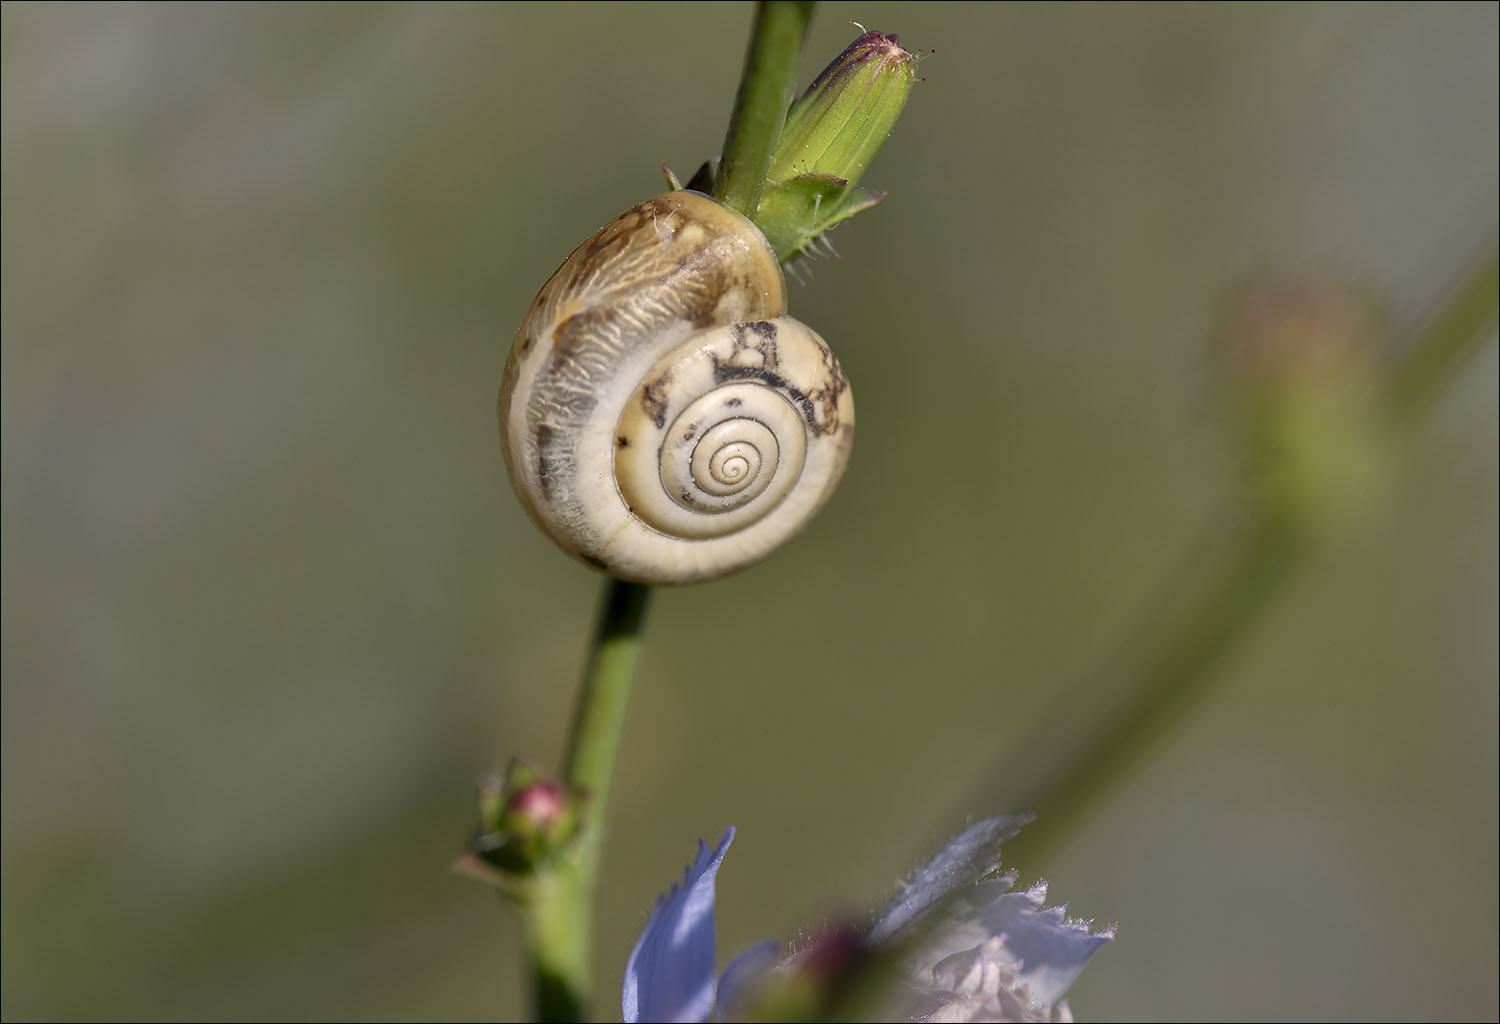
<point x="662" y="418"/>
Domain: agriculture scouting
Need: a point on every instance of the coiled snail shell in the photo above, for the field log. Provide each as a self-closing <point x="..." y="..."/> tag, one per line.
<point x="662" y="419"/>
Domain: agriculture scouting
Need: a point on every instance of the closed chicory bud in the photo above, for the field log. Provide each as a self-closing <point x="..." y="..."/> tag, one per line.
<point x="832" y="133"/>
<point x="838" y="125"/>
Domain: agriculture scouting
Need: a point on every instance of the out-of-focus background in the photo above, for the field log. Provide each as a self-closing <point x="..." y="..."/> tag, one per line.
<point x="270" y="606"/>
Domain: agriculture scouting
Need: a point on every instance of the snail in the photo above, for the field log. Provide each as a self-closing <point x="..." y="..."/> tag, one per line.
<point x="661" y="417"/>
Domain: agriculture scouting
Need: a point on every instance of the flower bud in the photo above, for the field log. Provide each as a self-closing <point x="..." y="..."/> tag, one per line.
<point x="832" y="133"/>
<point x="1308" y="359"/>
<point x="524" y="820"/>
<point x="838" y="125"/>
<point x="807" y="984"/>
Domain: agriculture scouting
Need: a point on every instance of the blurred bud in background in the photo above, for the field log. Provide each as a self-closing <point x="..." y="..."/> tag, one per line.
<point x="806" y="984"/>
<point x="1307" y="357"/>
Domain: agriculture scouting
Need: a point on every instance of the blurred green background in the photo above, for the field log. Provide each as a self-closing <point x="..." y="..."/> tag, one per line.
<point x="270" y="607"/>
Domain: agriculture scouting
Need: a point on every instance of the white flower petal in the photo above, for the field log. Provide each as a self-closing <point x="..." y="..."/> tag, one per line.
<point x="977" y="951"/>
<point x="1050" y="949"/>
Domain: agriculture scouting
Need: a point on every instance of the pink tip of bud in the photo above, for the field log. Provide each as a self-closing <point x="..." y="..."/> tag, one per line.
<point x="1302" y="329"/>
<point x="540" y="802"/>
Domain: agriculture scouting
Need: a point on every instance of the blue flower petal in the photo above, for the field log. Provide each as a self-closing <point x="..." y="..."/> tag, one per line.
<point x="971" y="856"/>
<point x="670" y="974"/>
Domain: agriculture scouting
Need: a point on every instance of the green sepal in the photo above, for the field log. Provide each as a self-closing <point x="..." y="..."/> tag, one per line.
<point x="796" y="212"/>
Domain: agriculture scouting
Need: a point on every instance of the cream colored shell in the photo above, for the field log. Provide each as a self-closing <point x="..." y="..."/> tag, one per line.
<point x="662" y="418"/>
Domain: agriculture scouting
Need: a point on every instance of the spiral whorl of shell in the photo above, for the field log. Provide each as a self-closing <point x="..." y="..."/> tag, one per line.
<point x="661" y="418"/>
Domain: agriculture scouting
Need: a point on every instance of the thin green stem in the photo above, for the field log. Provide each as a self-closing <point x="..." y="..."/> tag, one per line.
<point x="599" y="719"/>
<point x="1106" y="728"/>
<point x="557" y="903"/>
<point x="1101" y="737"/>
<point x="555" y="909"/>
<point x="1465" y="323"/>
<point x="761" y="103"/>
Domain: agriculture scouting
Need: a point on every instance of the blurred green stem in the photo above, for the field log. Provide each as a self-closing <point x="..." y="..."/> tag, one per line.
<point x="557" y="904"/>
<point x="555" y="909"/>
<point x="1103" y="730"/>
<point x="1466" y="322"/>
<point x="1091" y="748"/>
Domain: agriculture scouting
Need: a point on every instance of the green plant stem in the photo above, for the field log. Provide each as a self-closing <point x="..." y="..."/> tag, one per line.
<point x="599" y="719"/>
<point x="1104" y="732"/>
<point x="1105" y="729"/>
<point x="1466" y="322"/>
<point x="557" y="903"/>
<point x="761" y="103"/>
<point x="555" y="908"/>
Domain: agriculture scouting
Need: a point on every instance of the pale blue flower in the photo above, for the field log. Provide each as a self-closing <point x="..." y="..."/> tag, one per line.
<point x="670" y="974"/>
<point x="976" y="950"/>
<point x="971" y="949"/>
